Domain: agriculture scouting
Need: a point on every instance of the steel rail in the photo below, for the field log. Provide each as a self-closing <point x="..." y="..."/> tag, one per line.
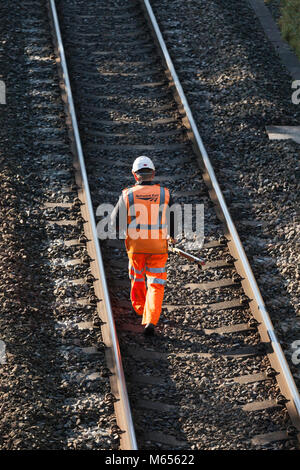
<point x="257" y="306"/>
<point x="122" y="406"/>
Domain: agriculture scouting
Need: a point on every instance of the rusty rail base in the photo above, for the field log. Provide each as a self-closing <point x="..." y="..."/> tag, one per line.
<point x="113" y="355"/>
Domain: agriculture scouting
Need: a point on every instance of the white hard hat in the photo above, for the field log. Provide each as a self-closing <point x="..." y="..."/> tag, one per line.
<point x="142" y="162"/>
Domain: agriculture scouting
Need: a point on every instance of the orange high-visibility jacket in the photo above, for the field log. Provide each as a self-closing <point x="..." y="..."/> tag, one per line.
<point x="147" y="225"/>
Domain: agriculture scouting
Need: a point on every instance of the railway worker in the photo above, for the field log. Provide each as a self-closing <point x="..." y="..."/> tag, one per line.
<point x="142" y="214"/>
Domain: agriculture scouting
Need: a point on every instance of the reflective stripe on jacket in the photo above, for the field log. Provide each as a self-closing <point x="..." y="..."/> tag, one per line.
<point x="147" y="225"/>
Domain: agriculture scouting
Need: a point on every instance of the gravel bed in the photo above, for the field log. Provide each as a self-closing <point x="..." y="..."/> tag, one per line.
<point x="53" y="379"/>
<point x="191" y="362"/>
<point x="230" y="80"/>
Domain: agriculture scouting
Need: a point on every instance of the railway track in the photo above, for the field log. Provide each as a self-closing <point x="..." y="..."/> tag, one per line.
<point x="126" y="107"/>
<point x="214" y="376"/>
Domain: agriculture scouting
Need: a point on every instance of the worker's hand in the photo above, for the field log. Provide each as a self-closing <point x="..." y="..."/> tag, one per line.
<point x="173" y="241"/>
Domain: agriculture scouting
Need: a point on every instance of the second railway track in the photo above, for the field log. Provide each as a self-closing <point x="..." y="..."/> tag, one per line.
<point x="205" y="380"/>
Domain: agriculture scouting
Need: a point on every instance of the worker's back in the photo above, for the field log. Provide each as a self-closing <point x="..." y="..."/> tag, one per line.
<point x="147" y="214"/>
<point x="143" y="214"/>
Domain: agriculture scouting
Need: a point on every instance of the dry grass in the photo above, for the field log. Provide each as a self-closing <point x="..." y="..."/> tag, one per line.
<point x="290" y="23"/>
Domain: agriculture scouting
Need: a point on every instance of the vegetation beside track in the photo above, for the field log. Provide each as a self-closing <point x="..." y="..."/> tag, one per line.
<point x="288" y="21"/>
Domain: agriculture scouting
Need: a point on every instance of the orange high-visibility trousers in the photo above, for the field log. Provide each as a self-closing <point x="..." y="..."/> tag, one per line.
<point x="147" y="302"/>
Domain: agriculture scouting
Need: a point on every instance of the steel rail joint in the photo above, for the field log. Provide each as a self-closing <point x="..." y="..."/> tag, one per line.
<point x="257" y="306"/>
<point x="128" y="439"/>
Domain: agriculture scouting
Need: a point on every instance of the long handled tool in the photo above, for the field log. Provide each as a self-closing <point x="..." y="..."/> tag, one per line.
<point x="190" y="257"/>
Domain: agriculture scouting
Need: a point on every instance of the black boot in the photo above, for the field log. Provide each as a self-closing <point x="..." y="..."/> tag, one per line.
<point x="149" y="329"/>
